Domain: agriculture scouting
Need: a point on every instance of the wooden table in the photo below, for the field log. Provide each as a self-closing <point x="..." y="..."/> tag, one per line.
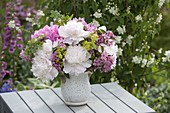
<point x="105" y="98"/>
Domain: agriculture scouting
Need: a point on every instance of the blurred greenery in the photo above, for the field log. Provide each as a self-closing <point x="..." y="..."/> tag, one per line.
<point x="161" y="41"/>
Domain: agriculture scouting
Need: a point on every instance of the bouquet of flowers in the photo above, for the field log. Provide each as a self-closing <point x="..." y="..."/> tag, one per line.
<point x="70" y="48"/>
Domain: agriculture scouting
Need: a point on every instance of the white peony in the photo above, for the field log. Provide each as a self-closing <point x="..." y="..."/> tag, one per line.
<point x="46" y="50"/>
<point x="76" y="60"/>
<point x="41" y="64"/>
<point x="73" y="32"/>
<point x="42" y="69"/>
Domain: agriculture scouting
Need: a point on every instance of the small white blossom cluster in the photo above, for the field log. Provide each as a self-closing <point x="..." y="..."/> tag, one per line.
<point x="119" y="52"/>
<point x="159" y="18"/>
<point x="118" y="39"/>
<point x="32" y="20"/>
<point x="129" y="39"/>
<point x="121" y="30"/>
<point x="112" y="8"/>
<point x="40" y="13"/>
<point x="95" y="22"/>
<point x="161" y="2"/>
<point x="84" y="1"/>
<point x="167" y="56"/>
<point x="138" y="18"/>
<point x="128" y="9"/>
<point x="143" y="61"/>
<point x="97" y="14"/>
<point x="11" y="24"/>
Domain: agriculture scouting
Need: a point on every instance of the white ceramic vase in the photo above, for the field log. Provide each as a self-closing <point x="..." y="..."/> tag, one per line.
<point x="76" y="90"/>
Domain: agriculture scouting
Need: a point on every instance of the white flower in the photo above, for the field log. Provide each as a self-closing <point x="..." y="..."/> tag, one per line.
<point x="136" y="59"/>
<point x="129" y="39"/>
<point x="138" y="18"/>
<point x="114" y="10"/>
<point x="158" y="20"/>
<point x="167" y="54"/>
<point x="123" y="44"/>
<point x="46" y="50"/>
<point x="128" y="9"/>
<point x="144" y="61"/>
<point x="29" y="14"/>
<point x="29" y="19"/>
<point x="160" y="50"/>
<point x="97" y="15"/>
<point x="121" y="30"/>
<point x="111" y="50"/>
<point x="119" y="52"/>
<point x="18" y="29"/>
<point x="102" y="28"/>
<point x="150" y="62"/>
<point x="42" y="69"/>
<point x="84" y="1"/>
<point x="95" y="22"/>
<point x="55" y="44"/>
<point x="118" y="39"/>
<point x="76" y="60"/>
<point x="161" y="2"/>
<point x="73" y="32"/>
<point x="164" y="59"/>
<point x="40" y="13"/>
<point x="11" y="24"/>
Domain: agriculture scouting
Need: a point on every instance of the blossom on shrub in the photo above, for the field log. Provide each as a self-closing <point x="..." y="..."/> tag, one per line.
<point x="121" y="30"/>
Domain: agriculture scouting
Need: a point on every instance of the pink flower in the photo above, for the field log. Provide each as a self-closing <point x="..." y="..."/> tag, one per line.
<point x="105" y="63"/>
<point x="50" y="32"/>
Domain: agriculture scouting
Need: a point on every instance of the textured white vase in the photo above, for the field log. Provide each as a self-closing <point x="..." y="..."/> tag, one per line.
<point x="76" y="90"/>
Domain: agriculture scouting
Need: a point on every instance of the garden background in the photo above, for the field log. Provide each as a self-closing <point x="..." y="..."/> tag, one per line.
<point x="142" y="30"/>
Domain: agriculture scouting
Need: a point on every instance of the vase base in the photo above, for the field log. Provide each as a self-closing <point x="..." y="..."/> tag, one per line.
<point x="76" y="104"/>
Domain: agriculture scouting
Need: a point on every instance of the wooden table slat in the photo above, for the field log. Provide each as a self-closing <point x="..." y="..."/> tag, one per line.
<point x="129" y="99"/>
<point x="53" y="101"/>
<point x="81" y="109"/>
<point x="110" y="100"/>
<point x="98" y="106"/>
<point x="34" y="102"/>
<point x="14" y="102"/>
<point x="105" y="98"/>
